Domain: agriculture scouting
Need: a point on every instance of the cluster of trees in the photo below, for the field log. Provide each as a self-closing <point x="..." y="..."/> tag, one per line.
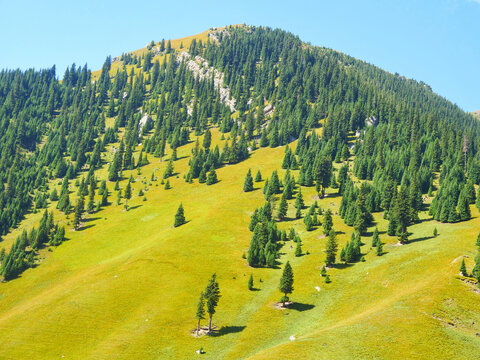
<point x="23" y="251"/>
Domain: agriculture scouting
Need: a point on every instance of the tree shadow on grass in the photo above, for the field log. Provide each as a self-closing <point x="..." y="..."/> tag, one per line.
<point x="130" y="208"/>
<point x="86" y="227"/>
<point x="301" y="307"/>
<point x="91" y="219"/>
<point x="421" y="239"/>
<point x="225" y="330"/>
<point x="342" y="265"/>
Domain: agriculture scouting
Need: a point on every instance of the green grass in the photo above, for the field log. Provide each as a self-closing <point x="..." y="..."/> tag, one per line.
<point x="127" y="287"/>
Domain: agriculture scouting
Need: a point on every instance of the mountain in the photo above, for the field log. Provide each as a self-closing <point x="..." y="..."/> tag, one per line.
<point x="233" y="152"/>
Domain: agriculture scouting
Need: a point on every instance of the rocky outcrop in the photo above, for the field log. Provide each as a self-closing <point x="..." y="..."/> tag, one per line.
<point x="202" y="71"/>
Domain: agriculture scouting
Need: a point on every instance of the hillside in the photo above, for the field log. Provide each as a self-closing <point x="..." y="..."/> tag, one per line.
<point x="376" y="149"/>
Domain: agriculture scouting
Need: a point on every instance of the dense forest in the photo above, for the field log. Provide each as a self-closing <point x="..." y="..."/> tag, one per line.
<point x="377" y="137"/>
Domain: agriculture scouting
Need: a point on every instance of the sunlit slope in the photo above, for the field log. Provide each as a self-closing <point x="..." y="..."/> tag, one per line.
<point x="127" y="285"/>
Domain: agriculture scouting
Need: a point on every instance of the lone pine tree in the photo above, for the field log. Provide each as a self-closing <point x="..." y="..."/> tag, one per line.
<point x="248" y="183"/>
<point x="286" y="282"/>
<point x="179" y="216"/>
<point x="212" y="296"/>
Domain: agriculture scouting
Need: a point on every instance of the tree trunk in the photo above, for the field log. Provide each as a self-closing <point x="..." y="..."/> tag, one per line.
<point x="210" y="324"/>
<point x="198" y="327"/>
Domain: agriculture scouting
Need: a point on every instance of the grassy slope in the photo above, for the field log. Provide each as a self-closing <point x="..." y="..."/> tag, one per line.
<point x="127" y="286"/>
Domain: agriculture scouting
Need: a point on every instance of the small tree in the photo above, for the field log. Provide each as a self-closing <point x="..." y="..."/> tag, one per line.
<point x="327" y="279"/>
<point x="298" y="249"/>
<point x="375" y="238"/>
<point x="179" y="216"/>
<point x="435" y="232"/>
<point x="79" y="209"/>
<point x="327" y="221"/>
<point x="200" y="315"/>
<point x="323" y="271"/>
<point x="379" y="248"/>
<point x="463" y="268"/>
<point x="212" y="296"/>
<point x="331" y="248"/>
<point x="258" y="176"/>
<point x="212" y="176"/>
<point x="127" y="195"/>
<point x="282" y="209"/>
<point x="248" y="183"/>
<point x="250" y="282"/>
<point x="286" y="282"/>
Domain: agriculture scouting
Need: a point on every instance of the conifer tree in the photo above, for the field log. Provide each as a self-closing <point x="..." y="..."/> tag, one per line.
<point x="331" y="248"/>
<point x="79" y="209"/>
<point x="286" y="283"/>
<point x="200" y="314"/>
<point x="128" y="194"/>
<point x="250" y="282"/>
<point x="179" y="217"/>
<point x="327" y="222"/>
<point x="323" y="271"/>
<point x="379" y="248"/>
<point x="308" y="222"/>
<point x="258" y="176"/>
<point x="375" y="238"/>
<point x="212" y="176"/>
<point x="212" y="296"/>
<point x="463" y="268"/>
<point x="248" y="183"/>
<point x="298" y="249"/>
<point x="282" y="209"/>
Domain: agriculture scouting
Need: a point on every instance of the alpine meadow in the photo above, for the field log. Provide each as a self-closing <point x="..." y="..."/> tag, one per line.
<point x="236" y="194"/>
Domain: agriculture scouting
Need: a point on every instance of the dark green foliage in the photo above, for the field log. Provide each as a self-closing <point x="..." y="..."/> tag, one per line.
<point x="212" y="296"/>
<point x="258" y="176"/>
<point x="327" y="279"/>
<point x="248" y="183"/>
<point x="463" y="268"/>
<point x="286" y="282"/>
<point x="212" y="176"/>
<point x="200" y="314"/>
<point x="331" y="248"/>
<point x="282" y="209"/>
<point x="298" y="249"/>
<point x="179" y="217"/>
<point x="327" y="222"/>
<point x="250" y="283"/>
<point x="323" y="271"/>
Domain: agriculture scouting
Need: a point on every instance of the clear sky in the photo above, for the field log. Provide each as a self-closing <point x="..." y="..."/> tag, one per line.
<point x="436" y="41"/>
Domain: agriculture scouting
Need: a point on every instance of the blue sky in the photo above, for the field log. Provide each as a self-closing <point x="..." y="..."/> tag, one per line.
<point x="437" y="42"/>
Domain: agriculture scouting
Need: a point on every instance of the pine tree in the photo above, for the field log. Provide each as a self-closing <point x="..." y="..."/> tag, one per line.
<point x="258" y="176"/>
<point x="282" y="209"/>
<point x="212" y="296"/>
<point x="167" y="185"/>
<point x="179" y="217"/>
<point x="375" y="238"/>
<point x="212" y="176"/>
<point x="298" y="249"/>
<point x="299" y="203"/>
<point x="327" y="221"/>
<point x="323" y="271"/>
<point x="200" y="315"/>
<point x="435" y="232"/>
<point x="250" y="283"/>
<point x="168" y="170"/>
<point x="248" y="183"/>
<point x="79" y="209"/>
<point x="379" y="248"/>
<point x="286" y="282"/>
<point x="463" y="207"/>
<point x="327" y="279"/>
<point x="463" y="268"/>
<point x="331" y="248"/>
<point x="308" y="222"/>
<point x="128" y="194"/>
